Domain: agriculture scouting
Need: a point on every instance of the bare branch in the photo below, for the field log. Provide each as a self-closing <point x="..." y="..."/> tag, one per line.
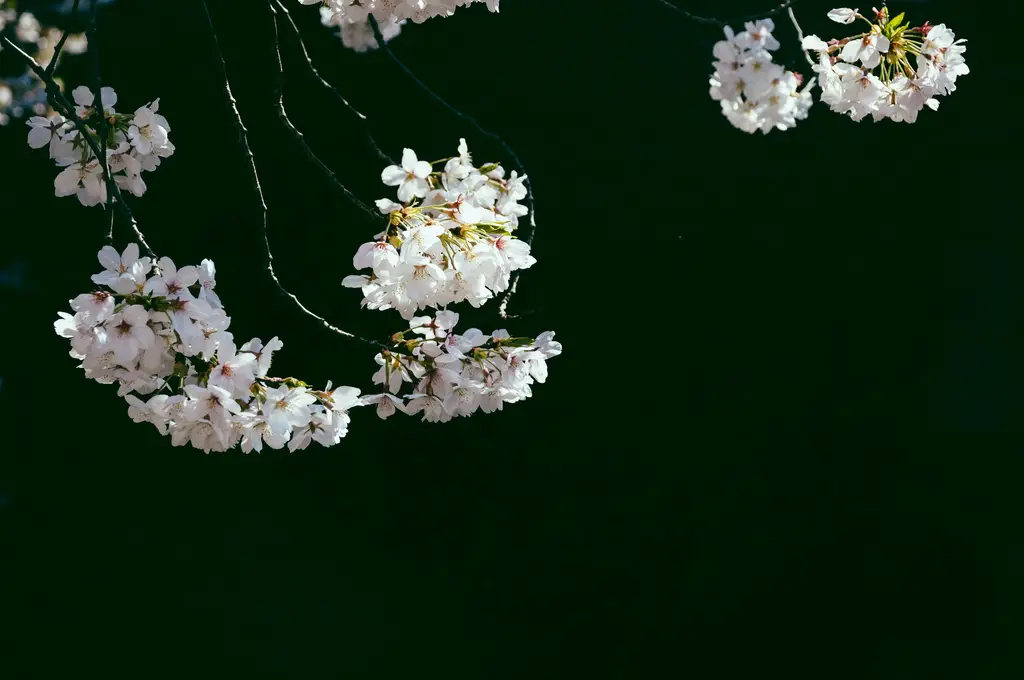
<point x="722" y="23"/>
<point x="326" y="85"/>
<point x="52" y="66"/>
<point x="243" y="141"/>
<point x="800" y="36"/>
<point x="300" y="139"/>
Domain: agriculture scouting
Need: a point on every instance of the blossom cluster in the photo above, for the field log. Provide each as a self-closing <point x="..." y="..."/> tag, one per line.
<point x="456" y="375"/>
<point x="136" y="143"/>
<point x="355" y="11"/>
<point x="146" y="330"/>
<point x="26" y="92"/>
<point x="357" y="34"/>
<point x="900" y="90"/>
<point x="756" y="93"/>
<point x="455" y="245"/>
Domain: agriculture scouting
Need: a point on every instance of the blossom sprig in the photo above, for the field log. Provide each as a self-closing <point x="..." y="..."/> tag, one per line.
<point x="871" y="73"/>
<point x="358" y="34"/>
<point x="455" y="375"/>
<point x="456" y="245"/>
<point x="26" y="92"/>
<point x="135" y="143"/>
<point x="756" y="93"/>
<point x="418" y="11"/>
<point x="155" y="329"/>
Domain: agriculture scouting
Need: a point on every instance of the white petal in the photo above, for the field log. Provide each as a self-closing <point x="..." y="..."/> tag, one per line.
<point x="82" y="95"/>
<point x="393" y="175"/>
<point x="408" y="159"/>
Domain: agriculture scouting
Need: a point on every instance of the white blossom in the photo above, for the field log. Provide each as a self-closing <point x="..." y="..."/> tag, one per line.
<point x="871" y="73"/>
<point x="146" y="331"/>
<point x="457" y="245"/>
<point x="753" y="92"/>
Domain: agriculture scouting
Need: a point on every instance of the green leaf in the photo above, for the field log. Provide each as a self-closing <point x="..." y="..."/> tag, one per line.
<point x="895" y="21"/>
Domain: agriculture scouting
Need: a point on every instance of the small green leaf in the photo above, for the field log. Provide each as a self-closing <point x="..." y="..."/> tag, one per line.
<point x="895" y="21"/>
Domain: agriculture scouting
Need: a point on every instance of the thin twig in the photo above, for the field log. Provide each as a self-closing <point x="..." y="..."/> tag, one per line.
<point x="722" y="23"/>
<point x="52" y="66"/>
<point x="113" y="190"/>
<point x="243" y="141"/>
<point x="800" y="36"/>
<point x="97" y="95"/>
<point x="486" y="133"/>
<point x="64" y="107"/>
<point x="333" y="90"/>
<point x="282" y="114"/>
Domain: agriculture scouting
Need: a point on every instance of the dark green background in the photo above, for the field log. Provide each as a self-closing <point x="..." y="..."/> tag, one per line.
<point x="783" y="440"/>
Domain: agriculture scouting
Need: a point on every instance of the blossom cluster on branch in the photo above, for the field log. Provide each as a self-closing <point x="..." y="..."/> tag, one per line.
<point x="355" y="11"/>
<point x="755" y="93"/>
<point x="134" y="144"/>
<point x="155" y="329"/>
<point x="358" y="34"/>
<point x="26" y="92"/>
<point x="901" y="90"/>
<point x="869" y="73"/>
<point x="451" y="239"/>
<point x="456" y="375"/>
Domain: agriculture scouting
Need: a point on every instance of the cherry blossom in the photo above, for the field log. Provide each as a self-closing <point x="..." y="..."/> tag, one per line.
<point x="137" y="144"/>
<point x="456" y="245"/>
<point x="418" y="11"/>
<point x="886" y="84"/>
<point x="755" y="93"/>
<point x="147" y="332"/>
<point x="456" y="375"/>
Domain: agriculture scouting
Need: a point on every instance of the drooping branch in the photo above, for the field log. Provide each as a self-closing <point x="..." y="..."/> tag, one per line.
<point x="243" y="143"/>
<point x="502" y="307"/>
<point x="722" y="23"/>
<point x="299" y="138"/>
<point x="326" y="85"/>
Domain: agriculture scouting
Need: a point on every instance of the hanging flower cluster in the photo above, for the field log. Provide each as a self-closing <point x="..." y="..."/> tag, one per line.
<point x="26" y="92"/>
<point x="355" y="11"/>
<point x="358" y="35"/>
<point x="136" y="143"/>
<point x="455" y="245"/>
<point x="456" y="375"/>
<point x="871" y="72"/>
<point x="163" y="330"/>
<point x="755" y="93"/>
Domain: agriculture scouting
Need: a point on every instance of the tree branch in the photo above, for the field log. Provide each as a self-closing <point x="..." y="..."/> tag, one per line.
<point x="486" y="133"/>
<point x="800" y="36"/>
<point x="52" y="66"/>
<point x="326" y="85"/>
<point x="64" y="107"/>
<point x="243" y="141"/>
<point x="722" y="23"/>
<point x="282" y="114"/>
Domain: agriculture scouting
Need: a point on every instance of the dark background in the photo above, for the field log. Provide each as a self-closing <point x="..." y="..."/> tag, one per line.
<point x="784" y="437"/>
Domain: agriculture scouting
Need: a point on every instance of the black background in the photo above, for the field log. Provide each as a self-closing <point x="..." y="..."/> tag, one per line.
<point x="783" y="439"/>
